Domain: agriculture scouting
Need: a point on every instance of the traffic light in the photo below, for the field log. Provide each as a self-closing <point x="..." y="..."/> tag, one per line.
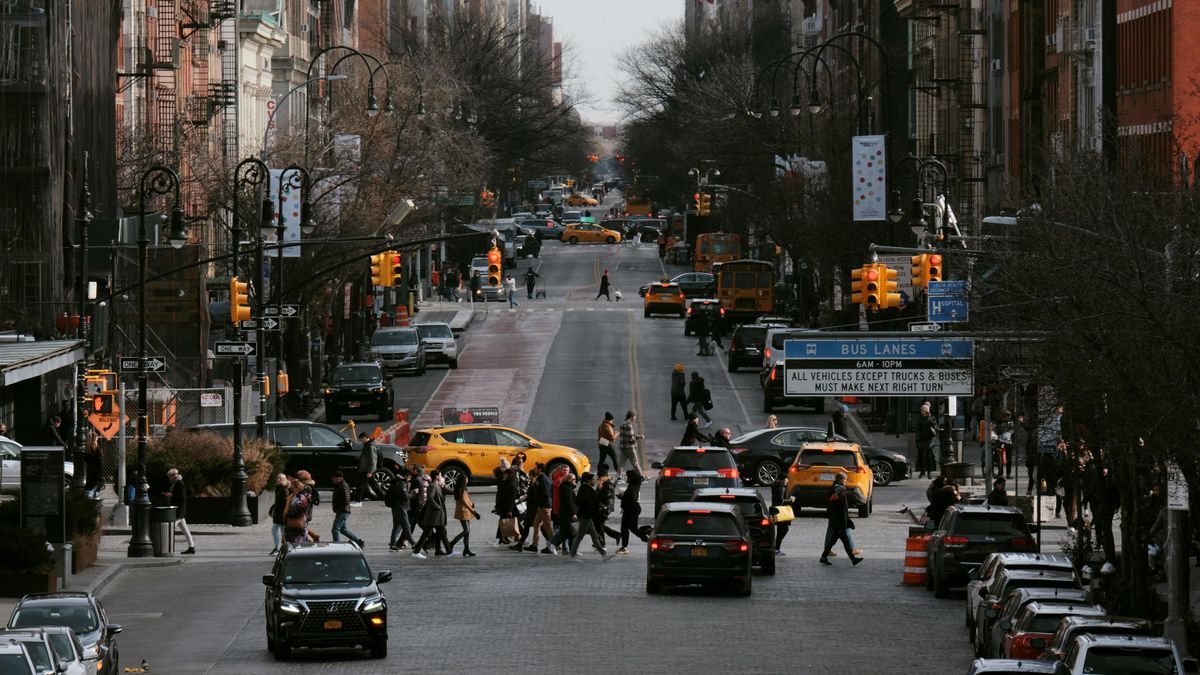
<point x="926" y="267"/>
<point x="865" y="285"/>
<point x="495" y="267"/>
<point x="487" y="197"/>
<point x="379" y="268"/>
<point x="394" y="261"/>
<point x="888" y="297"/>
<point x="705" y="204"/>
<point x="696" y="203"/>
<point x="239" y="300"/>
<point x="104" y="403"/>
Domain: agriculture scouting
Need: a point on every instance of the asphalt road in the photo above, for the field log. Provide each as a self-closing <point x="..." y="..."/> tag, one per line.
<point x="555" y="366"/>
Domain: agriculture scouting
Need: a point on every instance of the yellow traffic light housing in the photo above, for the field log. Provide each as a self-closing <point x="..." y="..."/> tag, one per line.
<point x="933" y="268"/>
<point x="705" y="204"/>
<point x="379" y="276"/>
<point x="495" y="267"/>
<point x="239" y="300"/>
<point x="864" y="286"/>
<point x="926" y="267"/>
<point x="395" y="268"/>
<point x="889" y="297"/>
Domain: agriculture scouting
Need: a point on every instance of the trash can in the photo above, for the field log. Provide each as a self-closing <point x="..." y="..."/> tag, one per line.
<point x="162" y="530"/>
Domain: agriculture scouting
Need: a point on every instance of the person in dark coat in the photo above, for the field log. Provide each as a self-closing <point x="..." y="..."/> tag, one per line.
<point x="692" y="434"/>
<point x="368" y="463"/>
<point x="566" y="514"/>
<point x="178" y="497"/>
<point x="279" y="510"/>
<point x="587" y="506"/>
<point x="604" y="287"/>
<point x="399" y="501"/>
<point x="926" y="433"/>
<point x="537" y="502"/>
<point x="341" y="510"/>
<point x="701" y="327"/>
<point x="631" y="510"/>
<point x="838" y="523"/>
<point x="780" y="497"/>
<point x="94" y="462"/>
<point x="700" y="398"/>
<point x="678" y="391"/>
<point x="606" y="498"/>
<point x="722" y="438"/>
<point x="999" y="494"/>
<point x="1102" y="496"/>
<point x="434" y="519"/>
<point x="506" y="495"/>
<point x="941" y="499"/>
<point x="839" y="420"/>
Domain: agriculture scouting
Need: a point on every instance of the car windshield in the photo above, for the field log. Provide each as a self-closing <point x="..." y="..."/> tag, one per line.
<point x="395" y="337"/>
<point x="990" y="524"/>
<point x="690" y="460"/>
<point x="686" y="523"/>
<point x="355" y="373"/>
<point x="750" y="336"/>
<point x="434" y="330"/>
<point x="748" y="505"/>
<point x="1140" y="660"/>
<point x="76" y="616"/>
<point x="842" y="458"/>
<point x="330" y="569"/>
<point x="13" y="664"/>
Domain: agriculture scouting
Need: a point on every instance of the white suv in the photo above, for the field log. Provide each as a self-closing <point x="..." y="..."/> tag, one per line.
<point x="440" y="345"/>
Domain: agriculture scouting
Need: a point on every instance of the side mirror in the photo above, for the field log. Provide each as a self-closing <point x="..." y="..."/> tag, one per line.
<point x="268" y="580"/>
<point x="383" y="577"/>
<point x="113" y="629"/>
<point x="656" y="465"/>
<point x="1006" y="625"/>
<point x="990" y="613"/>
<point x="61" y="666"/>
<point x="534" y="444"/>
<point x="1038" y="643"/>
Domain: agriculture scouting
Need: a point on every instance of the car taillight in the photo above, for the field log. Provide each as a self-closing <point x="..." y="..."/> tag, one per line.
<point x="1021" y="647"/>
<point x="798" y="467"/>
<point x="860" y="469"/>
<point x="1022" y="542"/>
<point x="661" y="544"/>
<point x="773" y="371"/>
<point x="727" y="473"/>
<point x="737" y="546"/>
<point x="721" y="311"/>
<point x="689" y="311"/>
<point x="671" y="472"/>
<point x="765" y="522"/>
<point x="955" y="541"/>
<point x="767" y="353"/>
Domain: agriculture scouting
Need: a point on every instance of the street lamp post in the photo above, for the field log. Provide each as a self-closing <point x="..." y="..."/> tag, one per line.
<point x="84" y="217"/>
<point x="293" y="177"/>
<point x="162" y="180"/>
<point x="250" y="172"/>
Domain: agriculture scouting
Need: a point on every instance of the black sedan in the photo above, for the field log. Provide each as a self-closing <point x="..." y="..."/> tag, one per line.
<point x="693" y="284"/>
<point x="763" y="456"/>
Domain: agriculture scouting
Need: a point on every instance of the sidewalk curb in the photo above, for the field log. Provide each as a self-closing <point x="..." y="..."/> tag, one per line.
<point x="115" y="567"/>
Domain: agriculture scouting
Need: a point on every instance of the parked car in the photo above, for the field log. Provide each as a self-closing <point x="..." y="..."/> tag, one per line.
<point x="1124" y="654"/>
<point x="1036" y="621"/>
<point x="358" y="389"/>
<point x="687" y="468"/>
<point x="764" y="454"/>
<point x="699" y="543"/>
<point x="1020" y="590"/>
<point x="757" y="516"/>
<point x="1009" y="667"/>
<point x="14" y="658"/>
<point x="398" y="350"/>
<point x="320" y="449"/>
<point x="995" y="563"/>
<point x="83" y="614"/>
<point x="10" y="465"/>
<point x="699" y="309"/>
<point x="325" y="595"/>
<point x="54" y="650"/>
<point x="966" y="534"/>
<point x="815" y="467"/>
<point x="439" y="343"/>
<point x="693" y="284"/>
<point x="1055" y="648"/>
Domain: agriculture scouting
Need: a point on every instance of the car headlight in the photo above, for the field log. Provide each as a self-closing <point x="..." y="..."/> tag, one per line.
<point x="374" y="604"/>
<point x="290" y="606"/>
<point x="92" y="652"/>
<point x="380" y="389"/>
<point x="328" y="391"/>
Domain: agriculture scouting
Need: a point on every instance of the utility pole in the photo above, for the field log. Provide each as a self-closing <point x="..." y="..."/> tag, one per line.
<point x="1178" y="536"/>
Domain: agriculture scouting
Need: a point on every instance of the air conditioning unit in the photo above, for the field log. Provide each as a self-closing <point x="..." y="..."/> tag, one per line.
<point x="1091" y="34"/>
<point x="1052" y="42"/>
<point x="811" y="25"/>
<point x="997" y="66"/>
<point x="303" y="28"/>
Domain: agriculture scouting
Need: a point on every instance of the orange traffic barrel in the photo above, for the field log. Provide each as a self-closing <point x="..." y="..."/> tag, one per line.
<point x="850" y="400"/>
<point x="916" y="560"/>
<point x="402" y="316"/>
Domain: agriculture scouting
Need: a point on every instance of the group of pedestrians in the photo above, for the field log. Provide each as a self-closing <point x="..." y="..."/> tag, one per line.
<point x="691" y="398"/>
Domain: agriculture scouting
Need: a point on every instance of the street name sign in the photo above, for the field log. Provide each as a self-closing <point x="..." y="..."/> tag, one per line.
<point x="947" y="301"/>
<point x="154" y="364"/>
<point x="909" y="366"/>
<point x="235" y="348"/>
<point x="287" y="311"/>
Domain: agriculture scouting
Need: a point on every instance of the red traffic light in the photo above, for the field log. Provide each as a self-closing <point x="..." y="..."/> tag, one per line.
<point x="872" y="275"/>
<point x="396" y="259"/>
<point x="493" y="256"/>
<point x="935" y="259"/>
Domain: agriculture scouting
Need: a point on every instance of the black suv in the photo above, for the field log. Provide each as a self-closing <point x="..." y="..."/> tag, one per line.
<point x="966" y="535"/>
<point x="699" y="543"/>
<point x="746" y="346"/>
<point x="708" y="309"/>
<point x="82" y="613"/>
<point x="687" y="468"/>
<point x="324" y="595"/>
<point x="358" y="389"/>
<point x="320" y="449"/>
<point x="758" y="518"/>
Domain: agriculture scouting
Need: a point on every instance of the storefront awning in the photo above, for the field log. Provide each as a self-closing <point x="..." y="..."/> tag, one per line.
<point x="21" y="361"/>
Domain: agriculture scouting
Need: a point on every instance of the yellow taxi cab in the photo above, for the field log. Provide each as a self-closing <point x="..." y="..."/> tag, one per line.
<point x="474" y="450"/>
<point x="664" y="298"/>
<point x="589" y="232"/>
<point x="813" y="470"/>
<point x="580" y="200"/>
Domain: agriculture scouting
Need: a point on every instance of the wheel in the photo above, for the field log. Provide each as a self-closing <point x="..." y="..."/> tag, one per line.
<point x="332" y="417"/>
<point x="768" y="405"/>
<point x="746" y="587"/>
<point x="385" y="478"/>
<point x="941" y="589"/>
<point x="573" y="240"/>
<point x="731" y="366"/>
<point x="882" y="472"/>
<point x="283" y="651"/>
<point x="115" y="663"/>
<point x="767" y="472"/>
<point x="453" y="364"/>
<point x="452" y="473"/>
<point x="270" y="646"/>
<point x="653" y="586"/>
<point x="871" y="504"/>
<point x="421" y="368"/>
<point x="864" y="510"/>
<point x="610" y="240"/>
<point x="646" y="313"/>
<point x="768" y="564"/>
<point x="379" y="651"/>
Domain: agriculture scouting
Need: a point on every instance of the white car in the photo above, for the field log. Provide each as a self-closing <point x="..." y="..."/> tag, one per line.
<point x="14" y="658"/>
<point x="54" y="650"/>
<point x="439" y="343"/>
<point x="10" y="465"/>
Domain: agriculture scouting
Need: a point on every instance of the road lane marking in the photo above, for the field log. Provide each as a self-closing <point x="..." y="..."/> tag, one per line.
<point x="736" y="394"/>
<point x="635" y="391"/>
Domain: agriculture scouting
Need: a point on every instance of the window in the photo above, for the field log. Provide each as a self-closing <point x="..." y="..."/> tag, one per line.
<point x="993" y="524"/>
<point x="326" y="570"/>
<point x="356" y="373"/>
<point x="288" y="436"/>
<point x="685" y="523"/>
<point x="39" y="655"/>
<point x="324" y="436"/>
<point x="841" y="458"/>
<point x="62" y="646"/>
<point x="393" y="337"/>
<point x="78" y="617"/>
<point x="473" y="436"/>
<point x="510" y="438"/>
<point x="789" y="439"/>
<point x="1127" y="660"/>
<point x="434" y="330"/>
<point x="690" y="460"/>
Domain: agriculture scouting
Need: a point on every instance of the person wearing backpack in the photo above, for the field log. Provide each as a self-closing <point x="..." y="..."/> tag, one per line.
<point x="398" y="500"/>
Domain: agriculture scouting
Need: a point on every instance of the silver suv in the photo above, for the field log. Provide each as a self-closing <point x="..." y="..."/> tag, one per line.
<point x="439" y="343"/>
<point x="398" y="349"/>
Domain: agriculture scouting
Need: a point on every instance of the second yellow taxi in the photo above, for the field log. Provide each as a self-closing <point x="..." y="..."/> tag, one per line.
<point x="664" y="298"/>
<point x="583" y="233"/>
<point x="813" y="470"/>
<point x="474" y="450"/>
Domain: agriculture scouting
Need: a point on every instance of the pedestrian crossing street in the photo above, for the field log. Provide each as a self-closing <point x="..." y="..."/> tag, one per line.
<point x="544" y="306"/>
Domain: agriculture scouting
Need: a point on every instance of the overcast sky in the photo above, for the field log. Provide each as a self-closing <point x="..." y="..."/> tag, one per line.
<point x="595" y="35"/>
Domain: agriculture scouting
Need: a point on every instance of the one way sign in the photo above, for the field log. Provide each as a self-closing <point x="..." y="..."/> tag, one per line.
<point x="287" y="311"/>
<point x="234" y="349"/>
<point x="154" y="364"/>
<point x="268" y="323"/>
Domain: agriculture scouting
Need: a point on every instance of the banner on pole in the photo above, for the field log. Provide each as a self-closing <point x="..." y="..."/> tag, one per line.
<point x="869" y="178"/>
<point x="288" y="209"/>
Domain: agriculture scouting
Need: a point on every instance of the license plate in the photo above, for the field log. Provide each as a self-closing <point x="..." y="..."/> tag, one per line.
<point x="699" y="552"/>
<point x="826" y="476"/>
<point x="354" y="404"/>
<point x="333" y="624"/>
<point x="699" y="481"/>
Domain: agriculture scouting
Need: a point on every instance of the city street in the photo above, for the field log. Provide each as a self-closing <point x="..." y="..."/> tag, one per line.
<point x="555" y="366"/>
